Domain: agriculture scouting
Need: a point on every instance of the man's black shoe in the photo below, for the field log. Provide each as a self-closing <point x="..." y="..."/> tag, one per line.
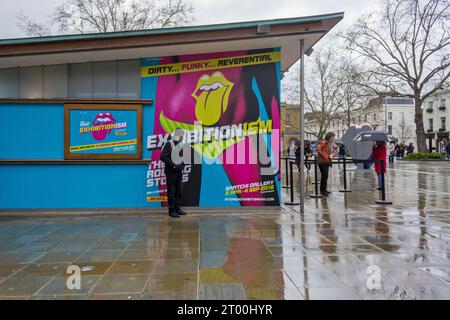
<point x="181" y="212"/>
<point x="173" y="215"/>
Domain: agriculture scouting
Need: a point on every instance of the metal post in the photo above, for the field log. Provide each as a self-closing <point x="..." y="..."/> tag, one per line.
<point x="383" y="188"/>
<point x="302" y="125"/>
<point x="316" y="187"/>
<point x="292" y="203"/>
<point x="345" y="177"/>
<point x="287" y="172"/>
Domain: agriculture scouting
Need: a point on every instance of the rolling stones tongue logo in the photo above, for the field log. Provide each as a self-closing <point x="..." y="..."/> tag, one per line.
<point x="212" y="94"/>
<point x="100" y="120"/>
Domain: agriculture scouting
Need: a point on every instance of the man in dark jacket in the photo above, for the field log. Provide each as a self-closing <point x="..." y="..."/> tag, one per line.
<point x="174" y="172"/>
<point x="410" y="149"/>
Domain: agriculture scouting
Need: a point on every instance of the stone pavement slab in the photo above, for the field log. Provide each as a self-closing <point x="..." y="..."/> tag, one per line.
<point x="330" y="251"/>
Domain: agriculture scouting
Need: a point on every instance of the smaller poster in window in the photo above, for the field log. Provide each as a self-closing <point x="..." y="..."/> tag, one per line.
<point x="103" y="132"/>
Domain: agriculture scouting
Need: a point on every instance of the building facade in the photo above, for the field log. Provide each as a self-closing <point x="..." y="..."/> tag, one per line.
<point x="436" y="117"/>
<point x="85" y="116"/>
<point x="393" y="115"/>
<point x="290" y="126"/>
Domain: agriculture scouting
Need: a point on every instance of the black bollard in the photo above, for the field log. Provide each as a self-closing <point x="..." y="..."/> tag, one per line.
<point x="292" y="203"/>
<point x="316" y="185"/>
<point x="345" y="177"/>
<point x="287" y="172"/>
<point x="316" y="181"/>
<point x="382" y="199"/>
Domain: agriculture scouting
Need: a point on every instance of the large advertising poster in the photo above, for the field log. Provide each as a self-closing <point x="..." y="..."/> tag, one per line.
<point x="229" y="106"/>
<point x="103" y="132"/>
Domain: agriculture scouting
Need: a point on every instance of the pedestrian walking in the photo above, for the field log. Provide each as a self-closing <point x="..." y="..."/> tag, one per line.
<point x="447" y="150"/>
<point x="402" y="150"/>
<point x="308" y="154"/>
<point x="397" y="151"/>
<point x="392" y="152"/>
<point x="324" y="150"/>
<point x="297" y="153"/>
<point x="342" y="152"/>
<point x="410" y="148"/>
<point x="379" y="154"/>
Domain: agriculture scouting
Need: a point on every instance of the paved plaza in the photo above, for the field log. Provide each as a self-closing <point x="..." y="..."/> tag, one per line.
<point x="332" y="251"/>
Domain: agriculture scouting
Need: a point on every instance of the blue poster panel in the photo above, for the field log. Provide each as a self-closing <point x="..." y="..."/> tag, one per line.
<point x="102" y="131"/>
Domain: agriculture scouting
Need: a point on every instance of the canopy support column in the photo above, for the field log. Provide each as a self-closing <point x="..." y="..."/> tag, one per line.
<point x="302" y="126"/>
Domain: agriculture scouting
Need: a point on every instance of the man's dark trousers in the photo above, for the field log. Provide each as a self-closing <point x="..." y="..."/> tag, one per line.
<point x="324" y="168"/>
<point x="174" y="190"/>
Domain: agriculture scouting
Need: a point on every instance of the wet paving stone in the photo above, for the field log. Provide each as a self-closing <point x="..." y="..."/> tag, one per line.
<point x="286" y="250"/>
<point x="106" y="245"/>
<point x="42" y="269"/>
<point x="94" y="268"/>
<point x="173" y="282"/>
<point x="327" y="252"/>
<point x="99" y="256"/>
<point x="59" y="257"/>
<point x="120" y="284"/>
<point x="8" y="269"/>
<point x="58" y="287"/>
<point x="176" y="266"/>
<point x="311" y="278"/>
<point x="22" y="286"/>
<point x="151" y="254"/>
<point x="132" y="267"/>
<point x="233" y="291"/>
<point x="330" y="294"/>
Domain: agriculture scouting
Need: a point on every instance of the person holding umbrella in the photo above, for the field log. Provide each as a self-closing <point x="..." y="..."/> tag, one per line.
<point x="379" y="153"/>
<point x="378" y="150"/>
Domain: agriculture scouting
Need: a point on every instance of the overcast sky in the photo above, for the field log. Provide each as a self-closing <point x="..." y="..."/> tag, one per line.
<point x="206" y="11"/>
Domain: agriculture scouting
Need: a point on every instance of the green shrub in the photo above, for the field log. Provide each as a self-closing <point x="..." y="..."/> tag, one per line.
<point x="424" y="156"/>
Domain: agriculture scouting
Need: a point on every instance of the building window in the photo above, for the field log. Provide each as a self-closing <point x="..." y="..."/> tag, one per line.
<point x="430" y="124"/>
<point x="430" y="104"/>
<point x="365" y="118"/>
<point x="442" y="104"/>
<point x="288" y="119"/>
<point x="374" y="117"/>
<point x="443" y="123"/>
<point x="389" y="115"/>
<point x="390" y="129"/>
<point x="90" y="80"/>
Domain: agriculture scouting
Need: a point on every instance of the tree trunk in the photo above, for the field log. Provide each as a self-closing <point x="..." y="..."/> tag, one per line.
<point x="420" y="131"/>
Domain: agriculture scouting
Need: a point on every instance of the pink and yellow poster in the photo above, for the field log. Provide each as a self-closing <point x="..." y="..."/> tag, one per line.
<point x="228" y="104"/>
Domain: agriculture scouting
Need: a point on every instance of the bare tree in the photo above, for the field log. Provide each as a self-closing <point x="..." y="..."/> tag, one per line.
<point x="406" y="45"/>
<point x="353" y="93"/>
<point x="84" y="16"/>
<point x="404" y="131"/>
<point x="322" y="96"/>
<point x="32" y="28"/>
